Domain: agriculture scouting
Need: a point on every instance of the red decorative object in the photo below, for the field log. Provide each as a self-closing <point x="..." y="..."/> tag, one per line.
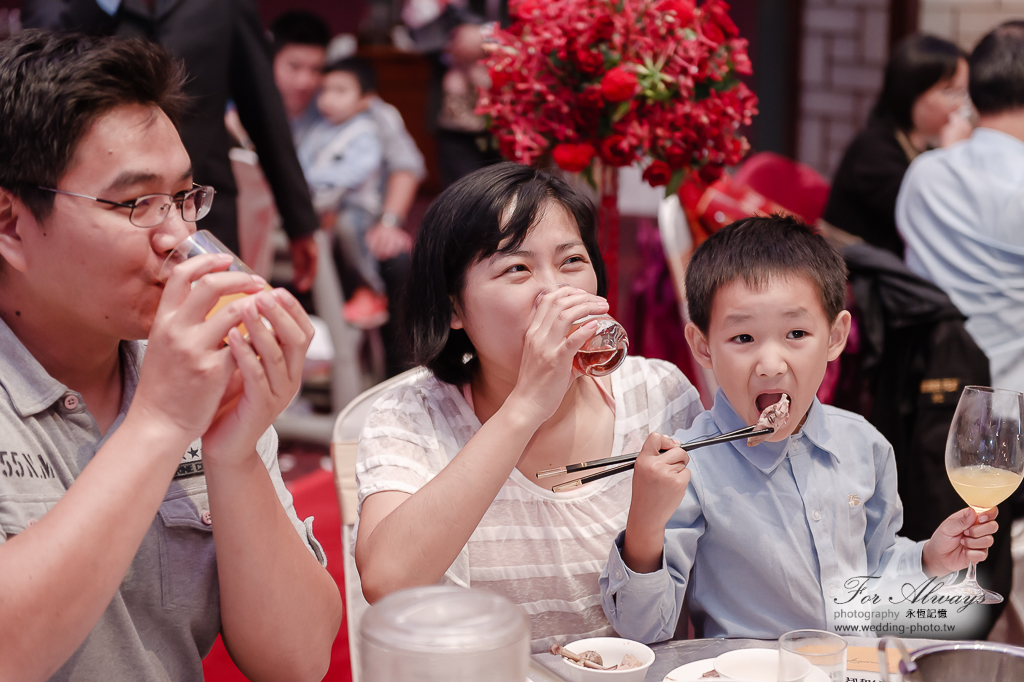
<point x="599" y="84"/>
<point x="649" y="82"/>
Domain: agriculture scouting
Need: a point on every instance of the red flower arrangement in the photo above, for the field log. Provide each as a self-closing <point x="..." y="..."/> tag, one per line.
<point x="654" y="82"/>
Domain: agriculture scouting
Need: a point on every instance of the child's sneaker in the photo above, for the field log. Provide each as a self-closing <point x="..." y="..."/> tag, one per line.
<point x="366" y="309"/>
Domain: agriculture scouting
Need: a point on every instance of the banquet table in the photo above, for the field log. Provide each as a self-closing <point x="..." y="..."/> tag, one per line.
<point x="670" y="655"/>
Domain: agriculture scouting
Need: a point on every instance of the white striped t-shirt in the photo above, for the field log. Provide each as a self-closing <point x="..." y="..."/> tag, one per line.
<point x="543" y="551"/>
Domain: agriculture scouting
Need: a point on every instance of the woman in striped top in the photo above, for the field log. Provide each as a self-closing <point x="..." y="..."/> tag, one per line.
<point x="446" y="465"/>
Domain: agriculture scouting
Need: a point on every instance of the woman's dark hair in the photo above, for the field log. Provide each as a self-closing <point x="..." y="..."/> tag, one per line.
<point x="54" y="85"/>
<point x="463" y="226"/>
<point x="997" y="70"/>
<point x="918" y="62"/>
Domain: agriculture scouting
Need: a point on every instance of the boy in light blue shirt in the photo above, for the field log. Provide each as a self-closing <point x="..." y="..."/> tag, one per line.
<point x="766" y="539"/>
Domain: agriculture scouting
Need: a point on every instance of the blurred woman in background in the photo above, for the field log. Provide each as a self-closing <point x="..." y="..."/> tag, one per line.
<point x="923" y="105"/>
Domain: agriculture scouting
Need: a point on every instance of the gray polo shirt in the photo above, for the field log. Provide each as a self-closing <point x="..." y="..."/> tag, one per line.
<point x="165" y="615"/>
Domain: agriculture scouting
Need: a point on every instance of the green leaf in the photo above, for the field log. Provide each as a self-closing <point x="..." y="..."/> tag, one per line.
<point x="588" y="175"/>
<point x="620" y="111"/>
<point x="673" y="184"/>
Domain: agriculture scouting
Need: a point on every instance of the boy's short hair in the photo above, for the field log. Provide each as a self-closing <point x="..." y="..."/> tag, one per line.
<point x="299" y="27"/>
<point x="996" y="81"/>
<point x="756" y="250"/>
<point x="361" y="68"/>
<point x="53" y="86"/>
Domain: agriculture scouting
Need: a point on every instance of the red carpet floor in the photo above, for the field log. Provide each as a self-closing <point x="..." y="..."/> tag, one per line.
<point x="314" y="496"/>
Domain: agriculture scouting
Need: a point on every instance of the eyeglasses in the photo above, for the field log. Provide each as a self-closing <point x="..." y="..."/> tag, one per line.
<point x="150" y="210"/>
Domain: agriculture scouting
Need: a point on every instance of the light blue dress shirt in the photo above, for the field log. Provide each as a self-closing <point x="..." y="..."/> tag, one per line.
<point x="767" y="537"/>
<point x="960" y="212"/>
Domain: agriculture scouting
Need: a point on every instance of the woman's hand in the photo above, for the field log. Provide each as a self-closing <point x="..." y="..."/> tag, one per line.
<point x="659" y="485"/>
<point x="269" y="372"/>
<point x="962" y="538"/>
<point x="545" y="370"/>
<point x="186" y="369"/>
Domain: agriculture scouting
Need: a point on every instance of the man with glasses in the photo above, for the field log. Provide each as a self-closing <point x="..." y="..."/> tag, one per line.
<point x="142" y="510"/>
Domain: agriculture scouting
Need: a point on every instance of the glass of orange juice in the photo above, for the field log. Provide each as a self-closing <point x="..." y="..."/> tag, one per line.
<point x="203" y="242"/>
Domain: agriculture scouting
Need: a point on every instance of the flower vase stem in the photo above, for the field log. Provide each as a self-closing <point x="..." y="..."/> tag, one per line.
<point x="608" y="231"/>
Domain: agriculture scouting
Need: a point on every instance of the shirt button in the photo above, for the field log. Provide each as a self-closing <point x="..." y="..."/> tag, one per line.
<point x="70" y="401"/>
<point x="816" y="515"/>
<point x="618" y="574"/>
<point x="832" y="590"/>
<point x="206" y="517"/>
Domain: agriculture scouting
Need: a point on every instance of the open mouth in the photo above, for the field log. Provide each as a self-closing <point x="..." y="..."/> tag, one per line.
<point x="764" y="400"/>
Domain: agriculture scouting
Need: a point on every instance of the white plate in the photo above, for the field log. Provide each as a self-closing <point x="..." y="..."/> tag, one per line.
<point x="694" y="672"/>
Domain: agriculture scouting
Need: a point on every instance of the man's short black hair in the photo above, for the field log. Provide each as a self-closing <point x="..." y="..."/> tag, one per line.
<point x="299" y="27"/>
<point x="997" y="70"/>
<point x="54" y="86"/>
<point x="757" y="250"/>
<point x="359" y="67"/>
<point x="918" y="63"/>
<point x="464" y="226"/>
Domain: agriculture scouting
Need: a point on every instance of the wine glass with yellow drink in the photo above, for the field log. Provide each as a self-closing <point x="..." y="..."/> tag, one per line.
<point x="985" y="459"/>
<point x="202" y="242"/>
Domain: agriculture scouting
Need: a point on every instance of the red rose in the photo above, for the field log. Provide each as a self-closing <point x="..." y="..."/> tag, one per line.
<point x="591" y="98"/>
<point x="588" y="61"/>
<point x="603" y="28"/>
<point x="657" y="174"/>
<point x="676" y="157"/>
<point x="615" y="151"/>
<point x="713" y="33"/>
<point x="500" y="78"/>
<point x="573" y="157"/>
<point x="618" y="85"/>
<point x="710" y="173"/>
<point x="682" y="8"/>
<point x="524" y="9"/>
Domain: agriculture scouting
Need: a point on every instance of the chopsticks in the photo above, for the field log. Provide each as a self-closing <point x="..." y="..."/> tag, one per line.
<point x="626" y="462"/>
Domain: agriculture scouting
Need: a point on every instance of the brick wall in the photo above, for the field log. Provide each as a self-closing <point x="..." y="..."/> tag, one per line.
<point x="845" y="46"/>
<point x="965" y="21"/>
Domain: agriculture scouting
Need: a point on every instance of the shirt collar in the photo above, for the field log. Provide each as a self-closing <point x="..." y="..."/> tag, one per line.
<point x="33" y="390"/>
<point x="996" y="138"/>
<point x="767" y="455"/>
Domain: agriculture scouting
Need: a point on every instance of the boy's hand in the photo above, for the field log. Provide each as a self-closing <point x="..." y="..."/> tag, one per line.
<point x="962" y="538"/>
<point x="659" y="484"/>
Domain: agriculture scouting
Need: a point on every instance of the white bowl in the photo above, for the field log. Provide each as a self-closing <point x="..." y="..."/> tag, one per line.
<point x="612" y="649"/>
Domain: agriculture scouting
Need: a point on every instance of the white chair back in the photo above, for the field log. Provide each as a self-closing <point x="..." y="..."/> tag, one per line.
<point x="344" y="444"/>
<point x="677" y="241"/>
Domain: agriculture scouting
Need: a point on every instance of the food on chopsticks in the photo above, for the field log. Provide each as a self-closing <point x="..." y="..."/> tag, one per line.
<point x="592" y="659"/>
<point x="775" y="416"/>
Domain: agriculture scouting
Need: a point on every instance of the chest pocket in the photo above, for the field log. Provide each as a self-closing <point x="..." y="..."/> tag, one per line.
<point x="188" y="562"/>
<point x="18" y="514"/>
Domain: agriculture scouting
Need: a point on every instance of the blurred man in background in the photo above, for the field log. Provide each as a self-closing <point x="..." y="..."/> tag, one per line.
<point x="226" y="56"/>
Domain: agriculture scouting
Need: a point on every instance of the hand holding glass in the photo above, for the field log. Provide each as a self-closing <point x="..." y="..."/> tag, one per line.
<point x="203" y="242"/>
<point x="985" y="460"/>
<point x="605" y="350"/>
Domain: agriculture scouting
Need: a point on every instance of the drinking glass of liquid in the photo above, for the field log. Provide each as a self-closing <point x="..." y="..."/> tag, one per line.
<point x="605" y="350"/>
<point x="985" y="460"/>
<point x="203" y="242"/>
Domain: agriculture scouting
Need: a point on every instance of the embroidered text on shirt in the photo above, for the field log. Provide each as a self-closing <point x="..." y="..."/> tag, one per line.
<point x="20" y="465"/>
